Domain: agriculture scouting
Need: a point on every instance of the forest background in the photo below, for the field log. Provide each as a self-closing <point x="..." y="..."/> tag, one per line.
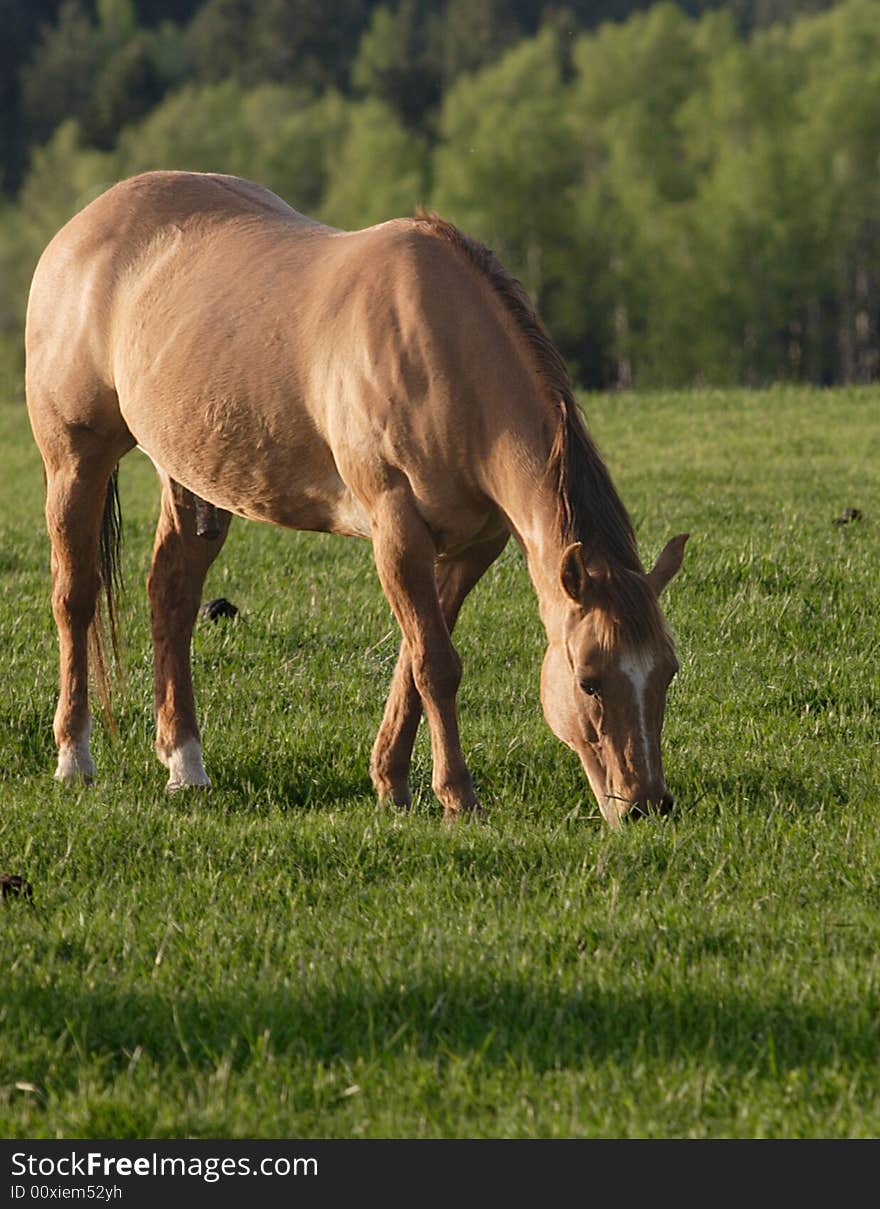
<point x="690" y="193"/>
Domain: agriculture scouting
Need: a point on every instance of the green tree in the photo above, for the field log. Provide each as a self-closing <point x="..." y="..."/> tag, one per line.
<point x="219" y="40"/>
<point x="752" y="235"/>
<point x="128" y="87"/>
<point x="838" y="146"/>
<point x="21" y="24"/>
<point x="473" y="33"/>
<point x="16" y="267"/>
<point x="381" y="170"/>
<point x="682" y="203"/>
<point x="639" y="173"/>
<point x="105" y="74"/>
<point x="297" y="157"/>
<point x="507" y="156"/>
<point x="397" y="61"/>
<point x="57" y="82"/>
<point x="284" y="41"/>
<point x="196" y="129"/>
<point x="306" y="41"/>
<point x="277" y="135"/>
<point x="63" y="178"/>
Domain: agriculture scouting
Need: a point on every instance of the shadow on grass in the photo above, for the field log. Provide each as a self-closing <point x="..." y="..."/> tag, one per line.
<point x="760" y="787"/>
<point x="495" y="1023"/>
<point x="310" y="781"/>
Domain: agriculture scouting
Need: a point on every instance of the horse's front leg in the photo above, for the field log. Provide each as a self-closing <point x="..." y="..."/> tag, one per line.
<point x="392" y="751"/>
<point x="405" y="552"/>
<point x="181" y="560"/>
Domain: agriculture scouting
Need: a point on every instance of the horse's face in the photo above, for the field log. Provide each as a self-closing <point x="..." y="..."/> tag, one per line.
<point x="605" y="698"/>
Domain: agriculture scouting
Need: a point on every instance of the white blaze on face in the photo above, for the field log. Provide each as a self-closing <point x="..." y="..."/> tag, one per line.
<point x="637" y="667"/>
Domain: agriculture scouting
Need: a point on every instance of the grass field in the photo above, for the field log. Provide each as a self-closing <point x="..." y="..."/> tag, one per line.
<point x="279" y="958"/>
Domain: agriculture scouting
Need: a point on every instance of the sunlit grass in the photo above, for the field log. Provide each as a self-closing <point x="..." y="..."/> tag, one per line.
<point x="277" y="957"/>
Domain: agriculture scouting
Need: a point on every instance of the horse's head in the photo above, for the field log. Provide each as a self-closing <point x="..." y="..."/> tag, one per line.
<point x="605" y="677"/>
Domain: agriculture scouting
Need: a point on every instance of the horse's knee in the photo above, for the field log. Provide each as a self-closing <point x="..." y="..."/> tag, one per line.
<point x="456" y="793"/>
<point x="437" y="675"/>
<point x="391" y="785"/>
<point x="74" y="598"/>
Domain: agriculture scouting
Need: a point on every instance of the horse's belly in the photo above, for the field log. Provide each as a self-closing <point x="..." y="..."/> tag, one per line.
<point x="302" y="490"/>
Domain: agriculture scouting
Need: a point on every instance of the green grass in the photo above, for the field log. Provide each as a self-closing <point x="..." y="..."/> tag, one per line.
<point x="279" y="958"/>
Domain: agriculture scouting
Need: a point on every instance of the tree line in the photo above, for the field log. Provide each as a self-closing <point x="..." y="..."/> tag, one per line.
<point x="689" y="193"/>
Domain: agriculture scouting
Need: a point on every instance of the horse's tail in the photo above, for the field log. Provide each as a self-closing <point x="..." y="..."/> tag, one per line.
<point x="109" y="568"/>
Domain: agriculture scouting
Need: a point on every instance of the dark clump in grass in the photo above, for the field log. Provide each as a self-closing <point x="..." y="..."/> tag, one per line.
<point x="277" y="957"/>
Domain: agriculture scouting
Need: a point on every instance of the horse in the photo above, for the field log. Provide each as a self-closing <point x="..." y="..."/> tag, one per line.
<point x="393" y="383"/>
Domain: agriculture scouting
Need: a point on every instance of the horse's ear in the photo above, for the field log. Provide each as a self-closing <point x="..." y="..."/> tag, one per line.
<point x="573" y="574"/>
<point x="669" y="562"/>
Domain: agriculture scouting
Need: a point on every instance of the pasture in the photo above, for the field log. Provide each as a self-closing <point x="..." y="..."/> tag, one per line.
<point x="279" y="958"/>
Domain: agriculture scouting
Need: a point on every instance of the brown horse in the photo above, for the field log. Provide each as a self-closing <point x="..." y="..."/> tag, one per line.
<point x="392" y="383"/>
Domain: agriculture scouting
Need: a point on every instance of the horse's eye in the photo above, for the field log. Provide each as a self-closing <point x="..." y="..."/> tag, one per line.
<point x="590" y="687"/>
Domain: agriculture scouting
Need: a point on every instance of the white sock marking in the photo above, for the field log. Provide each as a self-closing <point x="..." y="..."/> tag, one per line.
<point x="75" y="758"/>
<point x="185" y="767"/>
<point x="637" y="667"/>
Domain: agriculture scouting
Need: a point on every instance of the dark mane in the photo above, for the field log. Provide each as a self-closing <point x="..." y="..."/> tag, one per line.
<point x="589" y="509"/>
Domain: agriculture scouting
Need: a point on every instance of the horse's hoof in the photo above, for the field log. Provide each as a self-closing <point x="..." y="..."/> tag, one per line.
<point x="461" y="814"/>
<point x="177" y="786"/>
<point x="73" y="771"/>
<point x="394" y="801"/>
<point x="184" y="764"/>
<point x="78" y="778"/>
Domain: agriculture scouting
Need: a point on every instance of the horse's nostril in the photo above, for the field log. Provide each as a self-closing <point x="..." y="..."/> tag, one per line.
<point x="666" y="803"/>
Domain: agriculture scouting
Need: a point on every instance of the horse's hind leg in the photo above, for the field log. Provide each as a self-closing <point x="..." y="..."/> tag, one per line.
<point x="392" y="751"/>
<point x="181" y="560"/>
<point x="75" y="493"/>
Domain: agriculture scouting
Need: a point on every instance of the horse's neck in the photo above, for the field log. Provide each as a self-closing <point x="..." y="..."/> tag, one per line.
<point x="543" y="551"/>
<point x="528" y="495"/>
